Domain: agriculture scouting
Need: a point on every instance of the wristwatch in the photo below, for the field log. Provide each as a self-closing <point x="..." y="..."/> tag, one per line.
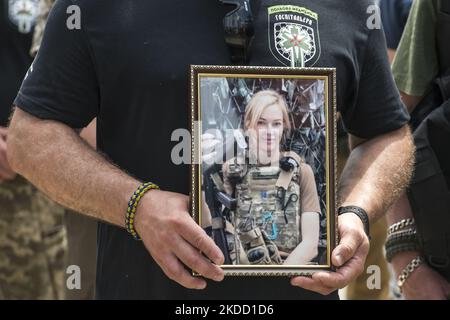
<point x="361" y="213"/>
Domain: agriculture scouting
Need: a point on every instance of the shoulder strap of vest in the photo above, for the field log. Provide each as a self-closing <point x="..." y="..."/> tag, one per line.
<point x="285" y="178"/>
<point x="293" y="155"/>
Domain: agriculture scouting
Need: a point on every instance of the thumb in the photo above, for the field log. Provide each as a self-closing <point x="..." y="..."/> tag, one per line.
<point x="346" y="249"/>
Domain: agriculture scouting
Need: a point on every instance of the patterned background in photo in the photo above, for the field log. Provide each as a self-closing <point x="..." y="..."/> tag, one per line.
<point x="223" y="108"/>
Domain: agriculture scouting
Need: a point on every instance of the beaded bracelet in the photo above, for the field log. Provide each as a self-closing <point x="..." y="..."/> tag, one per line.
<point x="132" y="205"/>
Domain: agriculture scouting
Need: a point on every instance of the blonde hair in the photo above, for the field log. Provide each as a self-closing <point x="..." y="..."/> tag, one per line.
<point x="259" y="102"/>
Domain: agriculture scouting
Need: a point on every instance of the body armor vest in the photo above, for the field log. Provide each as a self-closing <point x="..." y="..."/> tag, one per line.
<point x="267" y="219"/>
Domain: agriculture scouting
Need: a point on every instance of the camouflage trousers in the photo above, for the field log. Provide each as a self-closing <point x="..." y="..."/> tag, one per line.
<point x="32" y="243"/>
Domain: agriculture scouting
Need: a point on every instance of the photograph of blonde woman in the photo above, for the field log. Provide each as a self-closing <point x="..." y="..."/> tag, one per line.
<point x="261" y="197"/>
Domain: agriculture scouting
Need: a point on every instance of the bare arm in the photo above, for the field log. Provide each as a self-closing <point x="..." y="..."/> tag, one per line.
<point x="376" y="173"/>
<point x="54" y="158"/>
<point x="401" y="208"/>
<point x="424" y="283"/>
<point x="307" y="249"/>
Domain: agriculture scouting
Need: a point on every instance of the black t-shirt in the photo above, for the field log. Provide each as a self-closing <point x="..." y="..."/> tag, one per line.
<point x="17" y="19"/>
<point x="129" y="67"/>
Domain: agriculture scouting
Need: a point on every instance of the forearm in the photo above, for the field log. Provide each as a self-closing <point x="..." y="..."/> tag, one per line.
<point x="303" y="253"/>
<point x="377" y="171"/>
<point x="206" y="218"/>
<point x="54" y="158"/>
<point x="400" y="210"/>
<point x="308" y="248"/>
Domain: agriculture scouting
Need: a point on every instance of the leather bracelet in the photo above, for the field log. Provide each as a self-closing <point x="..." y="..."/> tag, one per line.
<point x="392" y="250"/>
<point x="361" y="213"/>
<point x="401" y="241"/>
<point x="132" y="205"/>
<point x="402" y="237"/>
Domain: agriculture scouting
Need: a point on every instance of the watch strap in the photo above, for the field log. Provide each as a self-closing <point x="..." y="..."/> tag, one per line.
<point x="361" y="213"/>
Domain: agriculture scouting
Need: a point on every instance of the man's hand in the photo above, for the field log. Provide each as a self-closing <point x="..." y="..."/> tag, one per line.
<point x="209" y="143"/>
<point x="6" y="173"/>
<point x="49" y="154"/>
<point x="424" y="283"/>
<point x="349" y="257"/>
<point x="172" y="237"/>
<point x="376" y="173"/>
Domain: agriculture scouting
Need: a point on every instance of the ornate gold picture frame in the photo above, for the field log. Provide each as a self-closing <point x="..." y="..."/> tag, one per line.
<point x="263" y="166"/>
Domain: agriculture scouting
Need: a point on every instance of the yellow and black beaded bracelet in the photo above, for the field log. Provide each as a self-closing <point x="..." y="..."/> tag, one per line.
<point x="132" y="205"/>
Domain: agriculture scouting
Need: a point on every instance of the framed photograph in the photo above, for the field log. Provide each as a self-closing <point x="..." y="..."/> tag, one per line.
<point x="263" y="166"/>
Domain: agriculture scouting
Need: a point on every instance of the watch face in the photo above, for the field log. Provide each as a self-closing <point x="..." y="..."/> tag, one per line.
<point x="23" y="14"/>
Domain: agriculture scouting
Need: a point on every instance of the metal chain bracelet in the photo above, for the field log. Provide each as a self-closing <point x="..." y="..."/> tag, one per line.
<point x="401" y="224"/>
<point x="413" y="265"/>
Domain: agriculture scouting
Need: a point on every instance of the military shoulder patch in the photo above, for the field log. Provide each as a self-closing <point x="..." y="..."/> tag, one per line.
<point x="294" y="35"/>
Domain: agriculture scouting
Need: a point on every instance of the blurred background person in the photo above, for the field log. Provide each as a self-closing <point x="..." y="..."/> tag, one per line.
<point x="32" y="237"/>
<point x="81" y="230"/>
<point x="422" y="73"/>
<point x="394" y="15"/>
